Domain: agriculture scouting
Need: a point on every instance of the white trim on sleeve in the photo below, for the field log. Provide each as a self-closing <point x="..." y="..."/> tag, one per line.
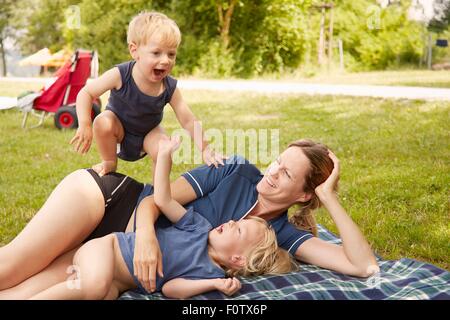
<point x="305" y="235"/>
<point x="201" y="191"/>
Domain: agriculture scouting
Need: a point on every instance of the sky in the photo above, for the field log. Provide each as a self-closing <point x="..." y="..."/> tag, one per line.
<point x="417" y="13"/>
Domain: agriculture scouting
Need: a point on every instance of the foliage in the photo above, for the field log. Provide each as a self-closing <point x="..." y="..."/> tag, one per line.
<point x="389" y="40"/>
<point x="5" y="15"/>
<point x="264" y="36"/>
<point x="5" y="20"/>
<point x="44" y="22"/>
<point x="441" y="20"/>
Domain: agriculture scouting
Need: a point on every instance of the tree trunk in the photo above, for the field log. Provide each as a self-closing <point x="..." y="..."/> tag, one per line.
<point x="225" y="21"/>
<point x="321" y="38"/>
<point x="330" y="39"/>
<point x="430" y="52"/>
<point x="3" y="57"/>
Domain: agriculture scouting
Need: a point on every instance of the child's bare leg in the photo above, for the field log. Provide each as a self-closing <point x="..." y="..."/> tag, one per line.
<point x="70" y="214"/>
<point x="108" y="131"/>
<point x="151" y="142"/>
<point x="58" y="271"/>
<point x="94" y="265"/>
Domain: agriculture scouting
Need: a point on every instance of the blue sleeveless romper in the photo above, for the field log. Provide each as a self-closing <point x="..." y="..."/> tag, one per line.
<point x="139" y="113"/>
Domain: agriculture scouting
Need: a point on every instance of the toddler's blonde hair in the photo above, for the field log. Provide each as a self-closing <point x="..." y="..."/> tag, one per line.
<point x="146" y="24"/>
<point x="266" y="257"/>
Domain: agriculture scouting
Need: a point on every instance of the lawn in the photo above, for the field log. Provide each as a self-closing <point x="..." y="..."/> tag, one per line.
<point x="414" y="78"/>
<point x="395" y="157"/>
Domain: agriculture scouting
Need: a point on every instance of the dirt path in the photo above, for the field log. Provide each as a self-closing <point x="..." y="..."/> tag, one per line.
<point x="271" y="87"/>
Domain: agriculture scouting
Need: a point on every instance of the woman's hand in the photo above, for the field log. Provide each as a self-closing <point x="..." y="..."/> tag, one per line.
<point x="326" y="190"/>
<point x="209" y="156"/>
<point x="147" y="259"/>
<point x="228" y="286"/>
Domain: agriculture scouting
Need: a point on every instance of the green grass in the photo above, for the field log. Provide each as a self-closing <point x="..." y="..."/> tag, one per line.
<point x="414" y="78"/>
<point x="395" y="159"/>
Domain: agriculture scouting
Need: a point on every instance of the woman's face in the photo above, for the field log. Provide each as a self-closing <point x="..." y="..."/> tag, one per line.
<point x="284" y="179"/>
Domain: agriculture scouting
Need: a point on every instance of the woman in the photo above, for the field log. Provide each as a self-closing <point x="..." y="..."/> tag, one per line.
<point x="306" y="173"/>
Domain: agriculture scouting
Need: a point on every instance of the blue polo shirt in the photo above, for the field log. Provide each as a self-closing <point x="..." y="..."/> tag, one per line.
<point x="229" y="193"/>
<point x="184" y="247"/>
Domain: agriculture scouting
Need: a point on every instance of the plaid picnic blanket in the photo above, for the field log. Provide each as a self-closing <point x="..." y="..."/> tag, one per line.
<point x="403" y="279"/>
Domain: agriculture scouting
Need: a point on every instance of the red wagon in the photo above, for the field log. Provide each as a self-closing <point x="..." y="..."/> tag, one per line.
<point x="59" y="99"/>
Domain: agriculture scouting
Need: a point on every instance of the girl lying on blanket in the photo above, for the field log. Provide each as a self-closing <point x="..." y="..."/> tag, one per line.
<point x="196" y="256"/>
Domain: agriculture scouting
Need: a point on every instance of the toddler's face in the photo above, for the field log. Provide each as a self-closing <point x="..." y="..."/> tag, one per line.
<point x="155" y="59"/>
<point x="236" y="237"/>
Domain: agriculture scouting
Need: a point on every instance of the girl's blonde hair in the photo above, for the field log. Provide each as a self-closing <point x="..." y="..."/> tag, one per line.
<point x="146" y="24"/>
<point x="320" y="167"/>
<point x="266" y="257"/>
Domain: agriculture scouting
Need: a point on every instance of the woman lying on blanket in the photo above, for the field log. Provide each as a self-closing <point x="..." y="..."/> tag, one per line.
<point x="84" y="206"/>
<point x="195" y="255"/>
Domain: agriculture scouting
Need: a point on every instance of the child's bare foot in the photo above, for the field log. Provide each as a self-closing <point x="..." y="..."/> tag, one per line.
<point x="106" y="166"/>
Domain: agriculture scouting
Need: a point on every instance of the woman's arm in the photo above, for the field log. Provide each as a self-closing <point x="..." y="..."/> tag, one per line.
<point x="180" y="288"/>
<point x="354" y="257"/>
<point x="147" y="255"/>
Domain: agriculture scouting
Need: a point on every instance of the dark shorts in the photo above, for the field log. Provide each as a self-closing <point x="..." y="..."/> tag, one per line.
<point x="121" y="194"/>
<point x="131" y="147"/>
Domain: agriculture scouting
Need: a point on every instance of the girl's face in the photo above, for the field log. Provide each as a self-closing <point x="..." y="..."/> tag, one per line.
<point x="234" y="239"/>
<point x="155" y="59"/>
<point x="284" y="179"/>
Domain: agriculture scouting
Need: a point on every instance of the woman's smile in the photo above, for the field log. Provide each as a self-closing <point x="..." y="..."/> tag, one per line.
<point x="270" y="182"/>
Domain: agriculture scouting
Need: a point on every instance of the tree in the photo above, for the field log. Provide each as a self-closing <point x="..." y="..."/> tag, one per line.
<point x="104" y="28"/>
<point x="441" y="18"/>
<point x="225" y="13"/>
<point x="231" y="37"/>
<point x="5" y="21"/>
<point x="394" y="41"/>
<point x="44" y="24"/>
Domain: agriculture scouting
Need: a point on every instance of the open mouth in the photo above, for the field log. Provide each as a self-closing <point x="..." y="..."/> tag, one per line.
<point x="159" y="72"/>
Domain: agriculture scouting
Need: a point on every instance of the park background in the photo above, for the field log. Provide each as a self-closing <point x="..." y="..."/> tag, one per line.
<point x="395" y="153"/>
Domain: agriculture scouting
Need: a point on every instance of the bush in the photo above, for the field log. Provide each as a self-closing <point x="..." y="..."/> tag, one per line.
<point x="217" y="62"/>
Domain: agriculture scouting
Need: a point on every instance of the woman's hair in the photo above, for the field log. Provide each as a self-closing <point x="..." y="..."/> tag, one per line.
<point x="320" y="168"/>
<point x="146" y="24"/>
<point x="266" y="257"/>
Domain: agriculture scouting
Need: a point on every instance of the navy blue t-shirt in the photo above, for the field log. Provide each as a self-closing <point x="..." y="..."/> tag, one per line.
<point x="139" y="113"/>
<point x="229" y="193"/>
